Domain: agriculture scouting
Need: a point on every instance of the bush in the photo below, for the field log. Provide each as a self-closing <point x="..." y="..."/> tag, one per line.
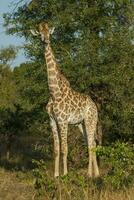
<point x="119" y="161"/>
<point x="43" y="183"/>
<point x="116" y="161"/>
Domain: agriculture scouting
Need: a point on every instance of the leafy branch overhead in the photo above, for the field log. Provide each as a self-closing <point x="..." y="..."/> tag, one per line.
<point x="93" y="43"/>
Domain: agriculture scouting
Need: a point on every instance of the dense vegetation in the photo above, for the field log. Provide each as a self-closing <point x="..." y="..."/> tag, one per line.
<point x="93" y="44"/>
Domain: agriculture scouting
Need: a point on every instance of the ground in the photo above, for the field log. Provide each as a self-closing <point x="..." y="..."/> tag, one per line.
<point x="17" y="180"/>
<point x="17" y="185"/>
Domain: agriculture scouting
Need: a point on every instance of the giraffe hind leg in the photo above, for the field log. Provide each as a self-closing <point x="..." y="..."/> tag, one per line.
<point x="64" y="147"/>
<point x="90" y="126"/>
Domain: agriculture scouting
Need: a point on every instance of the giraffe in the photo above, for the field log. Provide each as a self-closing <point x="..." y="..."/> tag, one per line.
<point x="67" y="106"/>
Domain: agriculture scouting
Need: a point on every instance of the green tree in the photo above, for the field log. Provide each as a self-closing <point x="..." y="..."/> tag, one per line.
<point x="33" y="91"/>
<point x="7" y="84"/>
<point x="93" y="44"/>
<point x="8" y="96"/>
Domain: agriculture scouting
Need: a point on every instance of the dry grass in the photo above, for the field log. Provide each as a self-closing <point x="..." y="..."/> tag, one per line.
<point x="15" y="186"/>
<point x="19" y="186"/>
<point x="73" y="193"/>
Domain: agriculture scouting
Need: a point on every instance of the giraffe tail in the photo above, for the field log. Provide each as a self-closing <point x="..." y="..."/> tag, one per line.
<point x="99" y="134"/>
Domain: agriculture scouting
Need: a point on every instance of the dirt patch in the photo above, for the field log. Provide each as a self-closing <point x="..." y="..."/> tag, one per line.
<point x="15" y="186"/>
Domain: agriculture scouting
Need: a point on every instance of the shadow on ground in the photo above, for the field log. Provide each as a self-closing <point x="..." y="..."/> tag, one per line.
<point x="23" y="151"/>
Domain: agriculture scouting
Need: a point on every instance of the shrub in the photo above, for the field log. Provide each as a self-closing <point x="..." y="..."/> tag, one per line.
<point x="120" y="164"/>
<point x="116" y="161"/>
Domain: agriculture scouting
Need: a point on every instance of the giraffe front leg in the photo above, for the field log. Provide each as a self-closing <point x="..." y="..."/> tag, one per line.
<point x="64" y="147"/>
<point x="90" y="130"/>
<point x="56" y="146"/>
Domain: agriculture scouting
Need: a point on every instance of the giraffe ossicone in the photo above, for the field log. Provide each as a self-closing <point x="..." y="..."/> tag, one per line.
<point x="67" y="106"/>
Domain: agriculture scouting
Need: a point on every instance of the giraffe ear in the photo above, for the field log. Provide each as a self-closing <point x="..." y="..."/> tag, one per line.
<point x="51" y="30"/>
<point x="34" y="32"/>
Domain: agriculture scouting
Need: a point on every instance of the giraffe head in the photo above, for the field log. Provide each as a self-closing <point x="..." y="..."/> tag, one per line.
<point x="44" y="32"/>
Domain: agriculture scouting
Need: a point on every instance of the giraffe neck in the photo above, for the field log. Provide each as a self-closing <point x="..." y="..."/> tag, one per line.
<point x="52" y="72"/>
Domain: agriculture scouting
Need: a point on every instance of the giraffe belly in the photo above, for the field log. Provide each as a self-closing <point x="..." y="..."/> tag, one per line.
<point x="75" y="118"/>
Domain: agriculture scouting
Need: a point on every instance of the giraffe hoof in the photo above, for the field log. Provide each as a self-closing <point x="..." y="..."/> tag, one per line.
<point x="65" y="174"/>
<point x="56" y="175"/>
<point x="90" y="175"/>
<point x="97" y="175"/>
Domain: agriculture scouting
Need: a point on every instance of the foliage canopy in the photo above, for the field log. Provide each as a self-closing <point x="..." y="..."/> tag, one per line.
<point x="93" y="43"/>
